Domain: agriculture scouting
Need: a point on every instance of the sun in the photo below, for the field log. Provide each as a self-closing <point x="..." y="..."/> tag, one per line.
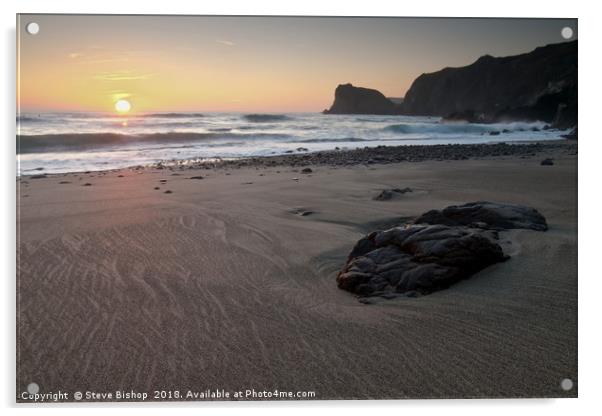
<point x="123" y="106"/>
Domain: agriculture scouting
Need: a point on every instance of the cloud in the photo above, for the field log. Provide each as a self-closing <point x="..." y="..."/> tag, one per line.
<point x="125" y="75"/>
<point x="226" y="42"/>
<point x="119" y="95"/>
<point x="103" y="61"/>
<point x="101" y="55"/>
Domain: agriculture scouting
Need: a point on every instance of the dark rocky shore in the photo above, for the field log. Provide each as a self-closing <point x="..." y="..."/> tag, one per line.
<point x="387" y="155"/>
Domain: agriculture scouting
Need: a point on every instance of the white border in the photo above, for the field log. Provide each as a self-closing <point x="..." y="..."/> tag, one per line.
<point x="589" y="186"/>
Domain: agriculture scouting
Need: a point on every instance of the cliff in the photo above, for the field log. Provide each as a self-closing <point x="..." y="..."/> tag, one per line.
<point x="539" y="85"/>
<point x="356" y="100"/>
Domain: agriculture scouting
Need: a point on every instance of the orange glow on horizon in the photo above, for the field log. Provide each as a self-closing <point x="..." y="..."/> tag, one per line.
<point x="243" y="64"/>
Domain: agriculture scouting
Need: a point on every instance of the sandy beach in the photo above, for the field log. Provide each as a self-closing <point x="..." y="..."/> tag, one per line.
<point x="221" y="283"/>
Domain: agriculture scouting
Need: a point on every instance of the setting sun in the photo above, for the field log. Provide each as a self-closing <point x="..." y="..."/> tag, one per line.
<point x="123" y="106"/>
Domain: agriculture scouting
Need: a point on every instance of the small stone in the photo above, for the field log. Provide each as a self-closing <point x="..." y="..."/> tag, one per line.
<point x="384" y="195"/>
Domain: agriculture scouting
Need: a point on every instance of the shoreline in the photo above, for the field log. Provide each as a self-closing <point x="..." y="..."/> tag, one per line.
<point x="119" y="270"/>
<point x="378" y="155"/>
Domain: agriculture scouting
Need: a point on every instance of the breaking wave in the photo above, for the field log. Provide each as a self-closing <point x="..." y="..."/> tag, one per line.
<point x="459" y="128"/>
<point x="174" y="115"/>
<point x="48" y="143"/>
<point x="265" y="118"/>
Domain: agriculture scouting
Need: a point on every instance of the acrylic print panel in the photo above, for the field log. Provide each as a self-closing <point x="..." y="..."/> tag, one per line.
<point x="295" y="208"/>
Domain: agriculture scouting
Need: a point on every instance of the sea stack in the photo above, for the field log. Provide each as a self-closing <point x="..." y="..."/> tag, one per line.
<point x="349" y="99"/>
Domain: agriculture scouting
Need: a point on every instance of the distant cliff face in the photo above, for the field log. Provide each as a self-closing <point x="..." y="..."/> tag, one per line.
<point x="540" y="85"/>
<point x="356" y="100"/>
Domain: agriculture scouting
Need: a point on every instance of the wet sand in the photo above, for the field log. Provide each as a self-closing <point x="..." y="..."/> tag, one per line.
<point x="221" y="284"/>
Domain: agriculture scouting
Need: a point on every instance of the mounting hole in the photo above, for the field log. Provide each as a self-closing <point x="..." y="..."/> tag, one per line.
<point x="33" y="388"/>
<point x="566" y="384"/>
<point x="566" y="32"/>
<point x="32" y="28"/>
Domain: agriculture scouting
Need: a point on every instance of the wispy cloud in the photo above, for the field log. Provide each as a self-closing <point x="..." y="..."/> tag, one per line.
<point x="117" y="95"/>
<point x="225" y="42"/>
<point x="101" y="55"/>
<point x="124" y="75"/>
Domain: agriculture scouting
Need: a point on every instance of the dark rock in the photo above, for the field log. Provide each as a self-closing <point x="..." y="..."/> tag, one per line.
<point x="168" y="192"/>
<point x="356" y="100"/>
<point x="38" y="177"/>
<point x="120" y="176"/>
<point x="87" y="184"/>
<point x="307" y="170"/>
<point x="438" y="250"/>
<point x="302" y="212"/>
<point x="420" y="258"/>
<point x="547" y="162"/>
<point x="384" y="195"/>
<point x="539" y="85"/>
<point x="196" y="177"/>
<point x="387" y="194"/>
<point x="488" y="215"/>
<point x="63" y="182"/>
<point x="494" y="133"/>
<point x="156" y="188"/>
<point x="469" y="116"/>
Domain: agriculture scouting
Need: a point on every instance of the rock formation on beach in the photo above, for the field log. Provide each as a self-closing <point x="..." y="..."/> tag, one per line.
<point x="357" y="100"/>
<point x="488" y="215"/>
<point x="439" y="249"/>
<point x="539" y="85"/>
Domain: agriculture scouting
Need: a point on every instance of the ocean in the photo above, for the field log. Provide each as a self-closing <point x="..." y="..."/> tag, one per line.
<point x="73" y="142"/>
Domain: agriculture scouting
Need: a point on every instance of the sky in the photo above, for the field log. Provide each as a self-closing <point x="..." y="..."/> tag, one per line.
<point x="243" y="64"/>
